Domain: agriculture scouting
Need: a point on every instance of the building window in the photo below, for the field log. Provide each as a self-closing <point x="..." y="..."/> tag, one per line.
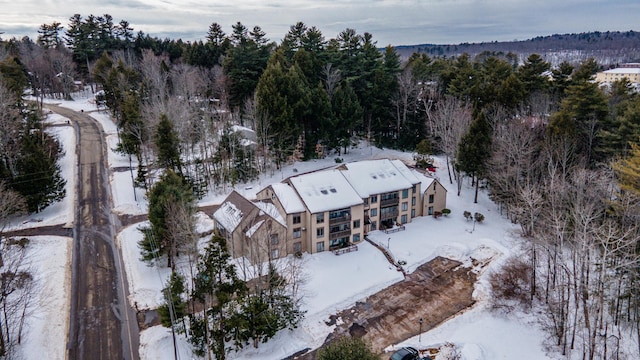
<point x="297" y="247"/>
<point x="431" y="197"/>
<point x="374" y="226"/>
<point x="274" y="254"/>
<point x="413" y="201"/>
<point x="320" y="232"/>
<point x="366" y="201"/>
<point x="430" y="210"/>
<point x="296" y="219"/>
<point x="297" y="233"/>
<point x="413" y="213"/>
<point x="320" y="218"/>
<point x="356" y="238"/>
<point x="413" y="189"/>
<point x="374" y="212"/>
<point x="274" y="239"/>
<point x="405" y="206"/>
<point x="356" y="224"/>
<point x="374" y="199"/>
<point x="320" y="246"/>
<point x="403" y="219"/>
<point x="405" y="193"/>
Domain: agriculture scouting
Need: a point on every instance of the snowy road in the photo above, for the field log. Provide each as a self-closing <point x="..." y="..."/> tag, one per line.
<point x="102" y="324"/>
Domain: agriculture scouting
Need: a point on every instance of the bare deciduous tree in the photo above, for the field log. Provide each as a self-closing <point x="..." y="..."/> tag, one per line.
<point x="332" y="78"/>
<point x="17" y="290"/>
<point x="449" y="120"/>
<point x="406" y="98"/>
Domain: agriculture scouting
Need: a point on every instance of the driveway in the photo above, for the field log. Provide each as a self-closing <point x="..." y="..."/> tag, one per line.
<point x="102" y="323"/>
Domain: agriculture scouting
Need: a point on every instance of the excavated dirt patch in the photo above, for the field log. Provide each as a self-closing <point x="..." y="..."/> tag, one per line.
<point x="436" y="291"/>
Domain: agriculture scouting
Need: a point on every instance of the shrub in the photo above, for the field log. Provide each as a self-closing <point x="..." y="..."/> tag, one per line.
<point x="446" y="212"/>
<point x="338" y="160"/>
<point x="437" y="214"/>
<point x="467" y="215"/>
<point x="347" y="348"/>
<point x="512" y="282"/>
<point x="478" y="217"/>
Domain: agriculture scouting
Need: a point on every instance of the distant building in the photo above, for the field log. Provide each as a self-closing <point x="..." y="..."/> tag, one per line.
<point x="328" y="209"/>
<point x="631" y="71"/>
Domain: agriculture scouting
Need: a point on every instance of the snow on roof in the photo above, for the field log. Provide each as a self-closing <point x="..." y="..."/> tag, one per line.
<point x="372" y="177"/>
<point x="325" y="190"/>
<point x="271" y="210"/>
<point x="288" y="198"/>
<point x="241" y="128"/>
<point x="425" y="181"/>
<point x="623" y="71"/>
<point x="228" y="215"/>
<point x="405" y="171"/>
<point x="247" y="142"/>
<point x="254" y="228"/>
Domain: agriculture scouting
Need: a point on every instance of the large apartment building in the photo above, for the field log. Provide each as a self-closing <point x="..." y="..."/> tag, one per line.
<point x="629" y="71"/>
<point x="332" y="209"/>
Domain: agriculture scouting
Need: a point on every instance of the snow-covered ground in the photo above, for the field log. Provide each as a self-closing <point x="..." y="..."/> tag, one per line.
<point x="49" y="259"/>
<point x="47" y="324"/>
<point x="478" y="333"/>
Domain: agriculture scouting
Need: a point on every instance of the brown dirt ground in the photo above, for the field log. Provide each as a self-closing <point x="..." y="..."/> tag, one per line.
<point x="434" y="292"/>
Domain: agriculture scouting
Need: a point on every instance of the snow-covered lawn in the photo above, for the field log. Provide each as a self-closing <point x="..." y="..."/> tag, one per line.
<point x="332" y="282"/>
<point x="337" y="282"/>
<point x="47" y="323"/>
<point x="59" y="213"/>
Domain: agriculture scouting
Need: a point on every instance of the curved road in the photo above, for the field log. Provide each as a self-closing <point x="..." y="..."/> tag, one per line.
<point x="102" y="323"/>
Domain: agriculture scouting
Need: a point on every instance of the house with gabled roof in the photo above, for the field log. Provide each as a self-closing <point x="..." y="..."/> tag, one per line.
<point x="434" y="196"/>
<point x="254" y="230"/>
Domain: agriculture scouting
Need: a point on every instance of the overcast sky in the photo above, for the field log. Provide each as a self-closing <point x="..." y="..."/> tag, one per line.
<point x="395" y="22"/>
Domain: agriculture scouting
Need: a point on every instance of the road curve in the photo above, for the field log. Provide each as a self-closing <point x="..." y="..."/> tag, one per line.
<point x="102" y="323"/>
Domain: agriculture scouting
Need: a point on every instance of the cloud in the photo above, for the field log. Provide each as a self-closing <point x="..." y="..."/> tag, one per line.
<point x="390" y="21"/>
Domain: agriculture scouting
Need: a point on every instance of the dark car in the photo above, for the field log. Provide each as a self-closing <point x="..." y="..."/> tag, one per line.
<point x="405" y="353"/>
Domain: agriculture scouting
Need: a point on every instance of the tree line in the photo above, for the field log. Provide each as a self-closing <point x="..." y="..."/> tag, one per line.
<point x="555" y="151"/>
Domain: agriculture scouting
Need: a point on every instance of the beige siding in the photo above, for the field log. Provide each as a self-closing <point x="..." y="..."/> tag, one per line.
<point x="298" y="231"/>
<point x="269" y="195"/>
<point x="439" y="202"/>
<point x="604" y="77"/>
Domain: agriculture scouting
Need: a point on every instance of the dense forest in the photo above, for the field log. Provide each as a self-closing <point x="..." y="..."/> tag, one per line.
<point x="609" y="48"/>
<point x="555" y="151"/>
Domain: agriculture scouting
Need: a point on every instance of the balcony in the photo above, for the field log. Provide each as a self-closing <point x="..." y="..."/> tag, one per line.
<point x="339" y="234"/>
<point x="389" y="202"/>
<point x="341" y="219"/>
<point x="385" y="215"/>
<point x="341" y="245"/>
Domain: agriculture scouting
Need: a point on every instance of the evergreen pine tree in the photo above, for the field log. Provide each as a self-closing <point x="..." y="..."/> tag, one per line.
<point x="168" y="145"/>
<point x="217" y="288"/>
<point x="158" y="241"/>
<point x="172" y="294"/>
<point x="38" y="176"/>
<point x="627" y="171"/>
<point x="475" y="150"/>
